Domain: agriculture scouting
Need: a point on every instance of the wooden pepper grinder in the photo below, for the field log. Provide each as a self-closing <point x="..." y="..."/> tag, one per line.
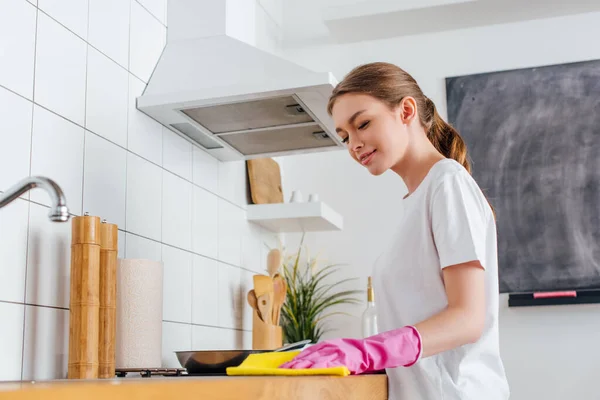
<point x="109" y="237"/>
<point x="84" y="298"/>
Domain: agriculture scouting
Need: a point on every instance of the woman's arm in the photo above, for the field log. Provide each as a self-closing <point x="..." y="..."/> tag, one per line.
<point x="462" y="321"/>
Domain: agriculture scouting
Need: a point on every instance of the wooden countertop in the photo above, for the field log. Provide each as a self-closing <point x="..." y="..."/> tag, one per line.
<point x="365" y="387"/>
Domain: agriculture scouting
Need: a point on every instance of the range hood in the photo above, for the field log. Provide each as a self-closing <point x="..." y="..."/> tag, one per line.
<point x="214" y="86"/>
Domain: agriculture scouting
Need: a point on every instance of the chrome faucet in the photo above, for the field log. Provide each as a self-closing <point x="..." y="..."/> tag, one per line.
<point x="58" y="211"/>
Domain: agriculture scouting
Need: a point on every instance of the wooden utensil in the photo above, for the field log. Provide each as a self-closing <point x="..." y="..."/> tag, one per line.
<point x="265" y="305"/>
<point x="262" y="284"/>
<point x="279" y="292"/>
<point x="264" y="176"/>
<point x="273" y="261"/>
<point x="253" y="301"/>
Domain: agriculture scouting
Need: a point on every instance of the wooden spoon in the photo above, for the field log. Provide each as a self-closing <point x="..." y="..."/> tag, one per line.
<point x="279" y="292"/>
<point x="273" y="261"/>
<point x="265" y="305"/>
<point x="252" y="299"/>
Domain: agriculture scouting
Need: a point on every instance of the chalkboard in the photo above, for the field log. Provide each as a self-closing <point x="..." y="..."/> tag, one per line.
<point x="533" y="136"/>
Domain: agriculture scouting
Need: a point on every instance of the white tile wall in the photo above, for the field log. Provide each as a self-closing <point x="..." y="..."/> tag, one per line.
<point x="229" y="298"/>
<point x="107" y="98"/>
<point x="205" y="223"/>
<point x="177" y="154"/>
<point x="139" y="247"/>
<point x="11" y="345"/>
<point x="57" y="152"/>
<point x="158" y="8"/>
<point x="79" y="126"/>
<point x="204" y="291"/>
<point x="231" y="219"/>
<point x="60" y="69"/>
<point x="144" y="136"/>
<point x="108" y="29"/>
<point x="46" y="355"/>
<point x="175" y="337"/>
<point x="13" y="250"/>
<point x="206" y="170"/>
<point x="48" y="260"/>
<point x="177" y="211"/>
<point x="105" y="179"/>
<point x="148" y="37"/>
<point x="17" y="46"/>
<point x="144" y="197"/>
<point x="73" y="14"/>
<point x="15" y="114"/>
<point x="177" y="285"/>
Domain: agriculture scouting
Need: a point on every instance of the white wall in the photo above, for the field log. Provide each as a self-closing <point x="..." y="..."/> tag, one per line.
<point x="549" y="352"/>
<point x="69" y="74"/>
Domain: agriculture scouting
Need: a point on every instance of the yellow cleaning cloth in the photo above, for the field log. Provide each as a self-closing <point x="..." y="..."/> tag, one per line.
<point x="268" y="363"/>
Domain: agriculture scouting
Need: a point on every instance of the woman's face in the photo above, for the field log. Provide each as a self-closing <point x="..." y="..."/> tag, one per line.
<point x="376" y="136"/>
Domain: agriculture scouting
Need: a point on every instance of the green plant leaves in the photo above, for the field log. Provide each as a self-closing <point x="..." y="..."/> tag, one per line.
<point x="308" y="297"/>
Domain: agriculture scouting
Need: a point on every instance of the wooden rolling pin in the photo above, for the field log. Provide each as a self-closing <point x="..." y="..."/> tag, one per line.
<point x="109" y="246"/>
<point x="84" y="298"/>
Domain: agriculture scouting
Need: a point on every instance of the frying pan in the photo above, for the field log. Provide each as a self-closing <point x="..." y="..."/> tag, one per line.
<point x="216" y="361"/>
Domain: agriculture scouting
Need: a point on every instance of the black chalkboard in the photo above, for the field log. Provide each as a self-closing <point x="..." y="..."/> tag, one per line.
<point x="533" y="136"/>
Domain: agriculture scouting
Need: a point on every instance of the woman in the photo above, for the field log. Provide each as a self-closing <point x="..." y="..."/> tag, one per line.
<point x="437" y="278"/>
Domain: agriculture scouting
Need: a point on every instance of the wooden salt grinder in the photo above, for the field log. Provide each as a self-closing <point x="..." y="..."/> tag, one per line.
<point x="84" y="298"/>
<point x="109" y="246"/>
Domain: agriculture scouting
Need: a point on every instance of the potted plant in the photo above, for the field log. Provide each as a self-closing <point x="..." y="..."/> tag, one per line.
<point x="309" y="298"/>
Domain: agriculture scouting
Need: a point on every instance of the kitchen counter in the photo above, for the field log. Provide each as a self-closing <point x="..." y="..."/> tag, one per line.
<point x="365" y="387"/>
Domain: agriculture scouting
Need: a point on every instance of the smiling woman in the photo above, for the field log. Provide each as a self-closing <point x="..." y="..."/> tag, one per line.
<point x="437" y="277"/>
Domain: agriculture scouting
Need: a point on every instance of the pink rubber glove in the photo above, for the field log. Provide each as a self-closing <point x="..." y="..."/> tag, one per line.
<point x="391" y="349"/>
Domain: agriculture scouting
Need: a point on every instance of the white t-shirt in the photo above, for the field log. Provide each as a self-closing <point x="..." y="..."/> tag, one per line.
<point x="446" y="221"/>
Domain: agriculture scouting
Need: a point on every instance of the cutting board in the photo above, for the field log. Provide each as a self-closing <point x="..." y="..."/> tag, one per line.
<point x="265" y="181"/>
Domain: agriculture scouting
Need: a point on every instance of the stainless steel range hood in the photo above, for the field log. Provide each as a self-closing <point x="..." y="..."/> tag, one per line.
<point x="216" y="87"/>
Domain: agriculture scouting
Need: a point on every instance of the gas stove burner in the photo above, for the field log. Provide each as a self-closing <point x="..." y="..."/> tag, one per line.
<point x="148" y="372"/>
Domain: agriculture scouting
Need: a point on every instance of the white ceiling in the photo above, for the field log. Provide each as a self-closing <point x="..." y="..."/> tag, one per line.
<point x="309" y="22"/>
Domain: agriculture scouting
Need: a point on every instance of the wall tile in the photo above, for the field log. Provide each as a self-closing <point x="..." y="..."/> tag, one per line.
<point x="204" y="291"/>
<point x="13" y="250"/>
<point x="177" y="211"/>
<point x="73" y="14"/>
<point x="229" y="232"/>
<point x="209" y="338"/>
<point x="246" y="284"/>
<point x="11" y="344"/>
<point x="15" y="114"/>
<point x="233" y="182"/>
<point x="251" y="247"/>
<point x="48" y="260"/>
<point x="144" y="197"/>
<point x="46" y="356"/>
<point x="148" y="38"/>
<point x="60" y="70"/>
<point x="206" y="170"/>
<point x="158" y="8"/>
<point x="205" y="223"/>
<point x="177" y="154"/>
<point x="17" y="30"/>
<point x="106" y="109"/>
<point x="105" y="180"/>
<point x="139" y="247"/>
<point x="109" y="28"/>
<point x="175" y="337"/>
<point x="177" y="285"/>
<point x="230" y="300"/>
<point x="57" y="153"/>
<point x="144" y="135"/>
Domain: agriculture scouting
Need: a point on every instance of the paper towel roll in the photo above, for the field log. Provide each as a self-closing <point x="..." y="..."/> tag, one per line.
<point x="139" y="313"/>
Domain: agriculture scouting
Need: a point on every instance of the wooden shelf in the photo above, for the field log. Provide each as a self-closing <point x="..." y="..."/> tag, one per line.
<point x="295" y="217"/>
